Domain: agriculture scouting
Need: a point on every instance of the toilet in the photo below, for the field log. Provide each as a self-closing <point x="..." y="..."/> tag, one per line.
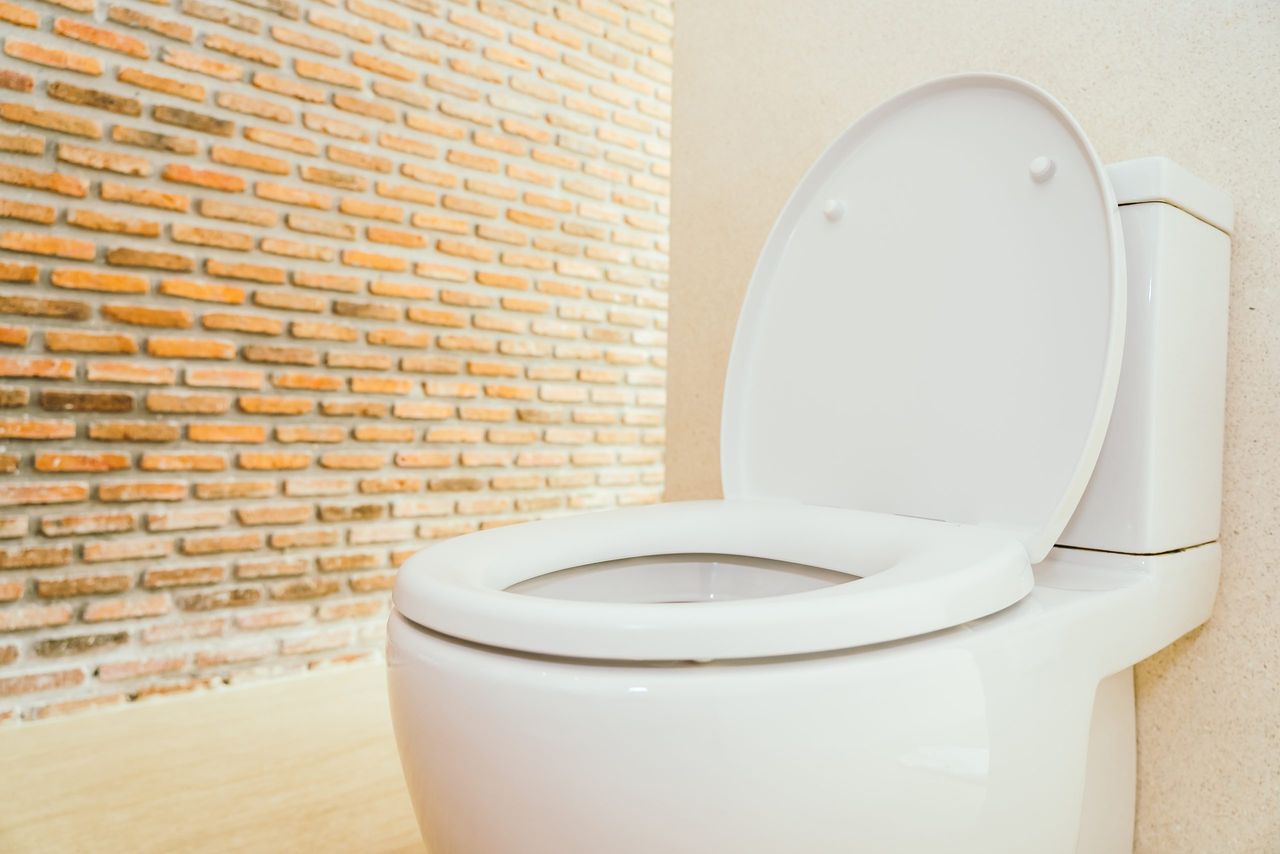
<point x="971" y="457"/>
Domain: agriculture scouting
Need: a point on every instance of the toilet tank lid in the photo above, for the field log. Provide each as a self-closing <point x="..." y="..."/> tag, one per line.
<point x="1159" y="179"/>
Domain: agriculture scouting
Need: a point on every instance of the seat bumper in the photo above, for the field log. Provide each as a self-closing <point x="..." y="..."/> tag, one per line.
<point x="914" y="576"/>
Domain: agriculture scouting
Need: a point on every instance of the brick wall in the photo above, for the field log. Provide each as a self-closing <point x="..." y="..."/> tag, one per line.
<point x="288" y="289"/>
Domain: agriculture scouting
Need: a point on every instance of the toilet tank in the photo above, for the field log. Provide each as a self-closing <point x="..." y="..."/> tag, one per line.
<point x="1157" y="486"/>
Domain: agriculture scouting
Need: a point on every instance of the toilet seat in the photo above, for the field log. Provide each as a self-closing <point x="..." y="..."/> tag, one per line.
<point x="915" y="576"/>
<point x="935" y="323"/>
<point x="920" y="383"/>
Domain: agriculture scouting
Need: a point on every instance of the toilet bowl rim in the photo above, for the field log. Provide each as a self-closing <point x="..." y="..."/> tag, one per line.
<point x="915" y="576"/>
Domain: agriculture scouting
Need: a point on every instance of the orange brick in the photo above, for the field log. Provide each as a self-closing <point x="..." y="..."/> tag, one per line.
<point x="36" y="429"/>
<point x="157" y="83"/>
<point x="173" y="402"/>
<point x="306" y="41"/>
<point x="362" y="361"/>
<point x="128" y="256"/>
<point x="214" y="237"/>
<point x="51" y="120"/>
<point x="334" y="126"/>
<point x="133" y="431"/>
<point x="292" y="433"/>
<point x="190" y="348"/>
<point x="327" y="74"/>
<point x="222" y="543"/>
<point x="271" y="568"/>
<point x="250" y="214"/>
<point x="52" y="57"/>
<point x="14" y="336"/>
<point x="187" y="630"/>
<point x="142" y="491"/>
<point x="126" y="609"/>
<point x="82" y="585"/>
<point x="227" y="433"/>
<point x="275" y="514"/>
<point x="273" y="618"/>
<point x="372" y="581"/>
<point x="22" y="17"/>
<point x="307" y="538"/>
<point x="141" y="20"/>
<point x="281" y="140"/>
<point x="14" y="209"/>
<point x="90" y="280"/>
<point x="42" y="493"/>
<point x="31" y="683"/>
<point x="201" y="291"/>
<point x="181" y="462"/>
<point x="355" y="31"/>
<point x="248" y="272"/>
<point x="353" y="609"/>
<point x="207" y="178"/>
<point x="306" y="588"/>
<point x="248" y="160"/>
<point x="251" y="324"/>
<point x="236" y="489"/>
<point x="116" y="671"/>
<point x="73" y="341"/>
<point x="374" y="261"/>
<point x="139" y="315"/>
<point x="280" y="355"/>
<point x="327" y="282"/>
<point x="98" y="221"/>
<point x="192" y="120"/>
<point x="258" y="107"/>
<point x="127" y="549"/>
<point x="295" y="249"/>
<point x="44" y="244"/>
<point x="22" y="143"/>
<point x="381" y="385"/>
<point x="190" y="61"/>
<point x="256" y="404"/>
<point x="239" y="655"/>
<point x="182" y="578"/>
<point x="245" y="378"/>
<point x="322" y="331"/>
<point x="307" y="382"/>
<point x="313" y="486"/>
<point x="35" y="557"/>
<point x="251" y="52"/>
<point x="77" y="462"/>
<point x="26" y="617"/>
<point x="99" y="37"/>
<point x="288" y="87"/>
<point x="130" y="372"/>
<point x="381" y="65"/>
<point x="112" y="192"/>
<point x="274" y="461"/>
<point x="52" y="182"/>
<point x="88" y="523"/>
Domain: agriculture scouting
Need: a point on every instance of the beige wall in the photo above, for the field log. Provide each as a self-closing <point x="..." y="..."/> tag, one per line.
<point x="763" y="86"/>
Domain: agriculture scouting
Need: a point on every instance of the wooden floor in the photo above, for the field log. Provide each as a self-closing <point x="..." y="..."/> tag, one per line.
<point x="305" y="764"/>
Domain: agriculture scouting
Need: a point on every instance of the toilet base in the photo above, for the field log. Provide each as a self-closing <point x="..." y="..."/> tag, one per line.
<point x="1106" y="819"/>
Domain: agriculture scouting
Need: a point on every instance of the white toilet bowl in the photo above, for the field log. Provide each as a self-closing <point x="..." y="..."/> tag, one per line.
<point x="1000" y="735"/>
<point x="871" y="645"/>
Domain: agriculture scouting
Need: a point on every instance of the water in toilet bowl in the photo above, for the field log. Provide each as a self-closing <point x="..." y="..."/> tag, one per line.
<point x="680" y="578"/>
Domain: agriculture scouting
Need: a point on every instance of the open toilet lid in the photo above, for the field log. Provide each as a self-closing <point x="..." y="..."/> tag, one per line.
<point x="935" y="324"/>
